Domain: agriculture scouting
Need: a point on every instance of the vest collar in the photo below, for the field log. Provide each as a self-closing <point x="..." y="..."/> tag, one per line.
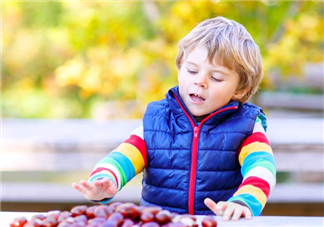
<point x="213" y="118"/>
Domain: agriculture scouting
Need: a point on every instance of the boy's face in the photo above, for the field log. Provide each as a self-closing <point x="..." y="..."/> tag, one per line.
<point x="206" y="87"/>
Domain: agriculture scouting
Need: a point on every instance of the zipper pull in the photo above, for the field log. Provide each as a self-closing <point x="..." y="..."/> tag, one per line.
<point x="196" y="129"/>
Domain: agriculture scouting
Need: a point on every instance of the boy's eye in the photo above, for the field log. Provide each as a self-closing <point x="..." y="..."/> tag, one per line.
<point x="192" y="71"/>
<point x="216" y="79"/>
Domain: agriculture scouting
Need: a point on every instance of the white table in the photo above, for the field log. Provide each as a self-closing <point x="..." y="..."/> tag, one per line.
<point x="282" y="221"/>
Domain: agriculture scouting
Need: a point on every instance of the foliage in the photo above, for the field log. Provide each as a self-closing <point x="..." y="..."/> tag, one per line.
<point x="60" y="59"/>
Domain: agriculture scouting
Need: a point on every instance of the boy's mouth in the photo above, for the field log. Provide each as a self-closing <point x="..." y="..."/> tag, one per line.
<point x="196" y="98"/>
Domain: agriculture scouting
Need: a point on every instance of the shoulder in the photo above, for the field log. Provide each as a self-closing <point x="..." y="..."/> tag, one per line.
<point x="257" y="113"/>
<point x="249" y="107"/>
<point x="157" y="107"/>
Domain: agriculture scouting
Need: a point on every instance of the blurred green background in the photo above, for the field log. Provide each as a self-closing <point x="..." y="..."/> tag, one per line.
<point x="66" y="59"/>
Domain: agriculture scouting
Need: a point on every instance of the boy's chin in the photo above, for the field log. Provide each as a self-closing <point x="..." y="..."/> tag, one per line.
<point x="200" y="118"/>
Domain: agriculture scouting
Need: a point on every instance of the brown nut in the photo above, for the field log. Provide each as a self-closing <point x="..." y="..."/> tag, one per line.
<point x="19" y="222"/>
<point x="147" y="217"/>
<point x="109" y="224"/>
<point x="90" y="211"/>
<point x="64" y="215"/>
<point x="64" y="224"/>
<point x="163" y="217"/>
<point x="127" y="223"/>
<point x="209" y="221"/>
<point x="49" y="222"/>
<point x="128" y="210"/>
<point x="96" y="221"/>
<point x="38" y="216"/>
<point x="78" y="210"/>
<point x="115" y="205"/>
<point x="103" y="211"/>
<point x="178" y="224"/>
<point x="151" y="224"/>
<point x="54" y="213"/>
<point x="81" y="218"/>
<point x="153" y="210"/>
<point x="117" y="217"/>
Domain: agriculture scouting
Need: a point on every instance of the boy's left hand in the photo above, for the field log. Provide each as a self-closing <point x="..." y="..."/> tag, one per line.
<point x="228" y="209"/>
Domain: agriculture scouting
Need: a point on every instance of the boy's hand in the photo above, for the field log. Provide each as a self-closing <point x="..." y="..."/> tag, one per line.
<point x="97" y="190"/>
<point x="228" y="210"/>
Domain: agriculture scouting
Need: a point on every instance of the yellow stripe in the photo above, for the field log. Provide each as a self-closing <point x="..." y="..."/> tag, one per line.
<point x="253" y="147"/>
<point x="254" y="191"/>
<point x="133" y="154"/>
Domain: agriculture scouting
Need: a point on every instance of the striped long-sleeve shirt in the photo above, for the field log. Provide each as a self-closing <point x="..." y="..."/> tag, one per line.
<point x="255" y="157"/>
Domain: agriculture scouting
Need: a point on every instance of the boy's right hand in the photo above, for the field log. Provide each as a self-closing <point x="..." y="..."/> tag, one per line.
<point x="97" y="190"/>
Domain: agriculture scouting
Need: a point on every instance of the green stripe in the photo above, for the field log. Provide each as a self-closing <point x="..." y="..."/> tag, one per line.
<point x="111" y="161"/>
<point x="258" y="120"/>
<point x="262" y="163"/>
<point x="120" y="170"/>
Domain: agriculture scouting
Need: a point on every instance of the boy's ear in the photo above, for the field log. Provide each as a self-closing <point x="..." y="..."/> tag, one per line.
<point x="240" y="94"/>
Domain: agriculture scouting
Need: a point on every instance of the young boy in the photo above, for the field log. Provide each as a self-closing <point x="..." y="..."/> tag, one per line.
<point x="203" y="148"/>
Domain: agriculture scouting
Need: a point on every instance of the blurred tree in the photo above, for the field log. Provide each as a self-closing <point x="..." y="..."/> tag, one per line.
<point x="59" y="59"/>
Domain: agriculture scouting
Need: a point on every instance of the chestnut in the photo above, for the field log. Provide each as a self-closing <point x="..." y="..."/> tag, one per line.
<point x="128" y="210"/>
<point x="114" y="205"/>
<point x="117" y="217"/>
<point x="78" y="210"/>
<point x="128" y="223"/>
<point x="153" y="210"/>
<point x="109" y="224"/>
<point x="90" y="211"/>
<point x="64" y="215"/>
<point x="38" y="216"/>
<point x="103" y="211"/>
<point x="178" y="224"/>
<point x="49" y="222"/>
<point x="147" y="217"/>
<point x="163" y="217"/>
<point x="209" y="221"/>
<point x="151" y="224"/>
<point x="19" y="222"/>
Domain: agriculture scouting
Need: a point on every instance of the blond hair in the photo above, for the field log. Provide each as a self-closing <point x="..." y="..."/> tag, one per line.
<point x="229" y="44"/>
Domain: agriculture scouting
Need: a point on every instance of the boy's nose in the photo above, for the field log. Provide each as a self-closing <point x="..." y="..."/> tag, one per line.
<point x="201" y="81"/>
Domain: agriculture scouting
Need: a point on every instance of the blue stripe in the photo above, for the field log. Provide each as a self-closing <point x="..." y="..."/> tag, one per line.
<point x="255" y="157"/>
<point x="254" y="204"/>
<point x="125" y="163"/>
<point x="105" y="201"/>
<point x="99" y="176"/>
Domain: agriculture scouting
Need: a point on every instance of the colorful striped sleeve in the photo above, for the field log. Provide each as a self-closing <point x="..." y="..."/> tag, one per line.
<point x="123" y="163"/>
<point x="258" y="170"/>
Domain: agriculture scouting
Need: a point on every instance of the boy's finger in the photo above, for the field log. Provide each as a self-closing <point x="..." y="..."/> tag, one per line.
<point x="237" y="214"/>
<point x="79" y="188"/>
<point x="97" y="183"/>
<point x="210" y="203"/>
<point x="105" y="184"/>
<point x="247" y="213"/>
<point x="112" y="190"/>
<point x="228" y="213"/>
<point x="86" y="184"/>
<point x="221" y="205"/>
<point x="212" y="206"/>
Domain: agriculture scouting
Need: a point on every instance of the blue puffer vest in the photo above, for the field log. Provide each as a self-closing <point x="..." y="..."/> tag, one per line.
<point x="187" y="161"/>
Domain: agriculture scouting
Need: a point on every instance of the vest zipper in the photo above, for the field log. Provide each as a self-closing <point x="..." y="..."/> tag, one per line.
<point x="193" y="170"/>
<point x="196" y="129"/>
<point x="194" y="152"/>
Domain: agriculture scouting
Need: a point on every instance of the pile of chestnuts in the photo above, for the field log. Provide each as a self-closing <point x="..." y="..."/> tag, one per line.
<point x="113" y="215"/>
